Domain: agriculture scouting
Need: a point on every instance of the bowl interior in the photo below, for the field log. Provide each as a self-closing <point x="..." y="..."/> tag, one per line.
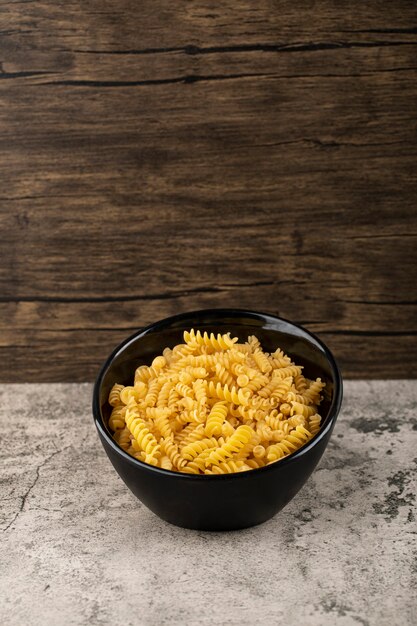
<point x="140" y="349"/>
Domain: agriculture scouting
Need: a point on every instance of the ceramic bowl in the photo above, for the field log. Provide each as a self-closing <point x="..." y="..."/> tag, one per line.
<point x="230" y="501"/>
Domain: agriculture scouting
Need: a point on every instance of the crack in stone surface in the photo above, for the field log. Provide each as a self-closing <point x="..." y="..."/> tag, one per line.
<point x="24" y="497"/>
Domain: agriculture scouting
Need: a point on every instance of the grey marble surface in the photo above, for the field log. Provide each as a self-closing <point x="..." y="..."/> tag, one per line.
<point x="78" y="548"/>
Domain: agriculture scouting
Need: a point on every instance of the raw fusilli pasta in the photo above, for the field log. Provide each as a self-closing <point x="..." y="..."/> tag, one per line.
<point x="214" y="405"/>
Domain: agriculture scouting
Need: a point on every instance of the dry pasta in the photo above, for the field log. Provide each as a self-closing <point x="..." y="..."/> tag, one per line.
<point x="214" y="406"/>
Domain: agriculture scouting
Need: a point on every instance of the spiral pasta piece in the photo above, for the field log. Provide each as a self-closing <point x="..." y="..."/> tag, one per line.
<point x="299" y="436"/>
<point x="182" y="419"/>
<point x="190" y="468"/>
<point x="184" y="390"/>
<point x="224" y="376"/>
<point x="162" y="422"/>
<point x="200" y="391"/>
<point x="159" y="363"/>
<point x="285" y="408"/>
<point x="173" y="398"/>
<point x="196" y="434"/>
<point x="170" y="449"/>
<point x="263" y="404"/>
<point x="266" y="391"/>
<point x="117" y="417"/>
<point x="293" y="396"/>
<point x="232" y="360"/>
<point x="167" y="354"/>
<point x="192" y="450"/>
<point x="279" y="450"/>
<point x="262" y="361"/>
<point x="300" y="383"/>
<point x="185" y="377"/>
<point x="122" y="437"/>
<point x="181" y="436"/>
<point x="206" y="361"/>
<point x="246" y="414"/>
<point x="283" y="429"/>
<point x="242" y="380"/>
<point x="256" y="381"/>
<point x="245" y="348"/>
<point x="279" y="361"/>
<point x="282" y="388"/>
<point x="198" y="464"/>
<point x="237" y="396"/>
<point x="144" y="374"/>
<point x="294" y="440"/>
<point x="166" y="463"/>
<point x="302" y="409"/>
<point x="163" y="395"/>
<point x="127" y="393"/>
<point x="263" y="430"/>
<point x="215" y="419"/>
<point x="284" y="372"/>
<point x="139" y="455"/>
<point x="314" y="390"/>
<point x="253" y="343"/>
<point x="274" y="421"/>
<point x="296" y="420"/>
<point x="153" y="391"/>
<point x="228" y="467"/>
<point x="259" y="452"/>
<point x="138" y="428"/>
<point x="221" y="342"/>
<point x="196" y="373"/>
<point x="280" y="354"/>
<point x="182" y="350"/>
<point x="114" y="395"/>
<point x="254" y="463"/>
<point x="241" y="436"/>
<point x="227" y="429"/>
<point x="314" y="423"/>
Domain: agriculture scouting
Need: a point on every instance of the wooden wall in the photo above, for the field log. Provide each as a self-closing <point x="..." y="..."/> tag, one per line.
<point x="161" y="156"/>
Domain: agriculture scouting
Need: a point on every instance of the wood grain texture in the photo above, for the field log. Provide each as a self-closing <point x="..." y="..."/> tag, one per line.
<point x="173" y="156"/>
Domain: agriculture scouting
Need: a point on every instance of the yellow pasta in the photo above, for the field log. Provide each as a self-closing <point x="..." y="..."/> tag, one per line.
<point x="162" y="422"/>
<point x="117" y="417"/>
<point x="215" y="405"/>
<point x="141" y="433"/>
<point x="236" y="396"/>
<point x="228" y="467"/>
<point x="261" y="360"/>
<point x="221" y="342"/>
<point x="171" y="451"/>
<point x="241" y="436"/>
<point x="196" y="434"/>
<point x="114" y="395"/>
<point x="190" y="452"/>
<point x="166" y="463"/>
<point x="314" y="424"/>
<point x="215" y="419"/>
<point x="122" y="437"/>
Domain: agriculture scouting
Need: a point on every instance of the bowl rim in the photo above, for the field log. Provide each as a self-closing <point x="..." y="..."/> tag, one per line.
<point x="169" y="321"/>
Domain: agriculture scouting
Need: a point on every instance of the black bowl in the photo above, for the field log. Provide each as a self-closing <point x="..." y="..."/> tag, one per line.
<point x="230" y="501"/>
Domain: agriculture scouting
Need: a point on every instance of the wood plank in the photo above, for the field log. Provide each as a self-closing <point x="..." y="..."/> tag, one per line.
<point x="48" y="356"/>
<point x="134" y="311"/>
<point x="52" y="341"/>
<point x="190" y="155"/>
<point x="56" y="25"/>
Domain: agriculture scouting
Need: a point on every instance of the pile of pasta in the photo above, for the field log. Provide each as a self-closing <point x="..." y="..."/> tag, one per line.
<point x="212" y="405"/>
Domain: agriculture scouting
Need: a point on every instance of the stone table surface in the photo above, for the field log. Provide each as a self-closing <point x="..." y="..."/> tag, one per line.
<point x="78" y="548"/>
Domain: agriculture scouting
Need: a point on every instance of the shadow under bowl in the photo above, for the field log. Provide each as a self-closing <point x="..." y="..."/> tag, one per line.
<point x="230" y="501"/>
